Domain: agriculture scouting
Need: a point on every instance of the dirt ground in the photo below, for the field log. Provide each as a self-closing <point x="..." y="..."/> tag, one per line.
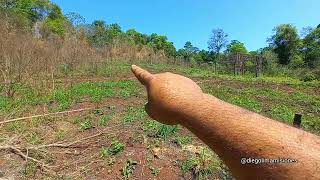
<point x="63" y="147"/>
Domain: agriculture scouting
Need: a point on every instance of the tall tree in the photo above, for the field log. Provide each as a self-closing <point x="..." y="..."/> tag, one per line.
<point x="285" y="42"/>
<point x="137" y="37"/>
<point x="113" y="31"/>
<point x="236" y="47"/>
<point x="217" y="41"/>
<point x="311" y="48"/>
<point x="26" y="12"/>
<point x="188" y="51"/>
<point x="158" y="43"/>
<point x="56" y="21"/>
<point x="97" y="33"/>
<point x="190" y="48"/>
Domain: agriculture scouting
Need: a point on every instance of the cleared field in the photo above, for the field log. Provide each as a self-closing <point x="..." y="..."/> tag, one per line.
<point x="115" y="139"/>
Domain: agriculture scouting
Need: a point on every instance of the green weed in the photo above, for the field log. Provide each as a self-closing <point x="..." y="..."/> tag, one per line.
<point x="154" y="170"/>
<point x="30" y="169"/>
<point x="3" y="138"/>
<point x="76" y="120"/>
<point x="164" y="131"/>
<point x="180" y="140"/>
<point x="64" y="99"/>
<point x="157" y="129"/>
<point x="97" y="91"/>
<point x="104" y="152"/>
<point x="115" y="147"/>
<point x="150" y="125"/>
<point x="61" y="134"/>
<point x="87" y="124"/>
<point x="104" y="120"/>
<point x="34" y="138"/>
<point x="4" y="103"/>
<point x="128" y="168"/>
<point x="133" y="114"/>
<point x="312" y="123"/>
<point x="205" y="164"/>
<point x="188" y="164"/>
<point x="98" y="112"/>
<point x="15" y="126"/>
<point x="282" y="112"/>
<point x="246" y="102"/>
<point x="271" y="93"/>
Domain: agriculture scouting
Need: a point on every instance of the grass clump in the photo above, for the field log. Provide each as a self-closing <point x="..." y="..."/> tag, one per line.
<point x="87" y="124"/>
<point x="133" y="114"/>
<point x="4" y="103"/>
<point x="115" y="147"/>
<point x="128" y="168"/>
<point x="61" y="134"/>
<point x="154" y="128"/>
<point x="63" y="98"/>
<point x="154" y="170"/>
<point x="283" y="112"/>
<point x="30" y="169"/>
<point x="202" y="165"/>
<point x="180" y="140"/>
<point x="164" y="131"/>
<point x="3" y="138"/>
<point x="247" y="102"/>
<point x="104" y="120"/>
<point x="34" y="138"/>
<point x="17" y="126"/>
<point x="96" y="91"/>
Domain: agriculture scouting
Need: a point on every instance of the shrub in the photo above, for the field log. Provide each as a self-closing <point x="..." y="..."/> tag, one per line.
<point x="309" y="77"/>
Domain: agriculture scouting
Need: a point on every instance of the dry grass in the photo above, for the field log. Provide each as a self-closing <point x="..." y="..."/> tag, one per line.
<point x="27" y="58"/>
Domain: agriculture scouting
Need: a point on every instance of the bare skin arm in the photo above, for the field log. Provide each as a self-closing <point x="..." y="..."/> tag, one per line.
<point x="232" y="132"/>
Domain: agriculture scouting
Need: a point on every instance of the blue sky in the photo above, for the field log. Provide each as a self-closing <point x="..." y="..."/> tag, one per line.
<point x="249" y="21"/>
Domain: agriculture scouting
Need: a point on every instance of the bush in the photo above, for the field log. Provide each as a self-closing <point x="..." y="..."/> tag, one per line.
<point x="296" y="62"/>
<point x="309" y="77"/>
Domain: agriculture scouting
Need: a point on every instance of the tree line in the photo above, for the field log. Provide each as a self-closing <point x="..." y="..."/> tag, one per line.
<point x="286" y="48"/>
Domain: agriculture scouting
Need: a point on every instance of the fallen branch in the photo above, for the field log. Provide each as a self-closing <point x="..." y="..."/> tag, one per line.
<point x="43" y="115"/>
<point x="17" y="151"/>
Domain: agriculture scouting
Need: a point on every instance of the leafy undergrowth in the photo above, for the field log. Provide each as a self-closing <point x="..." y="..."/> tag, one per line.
<point x="116" y="139"/>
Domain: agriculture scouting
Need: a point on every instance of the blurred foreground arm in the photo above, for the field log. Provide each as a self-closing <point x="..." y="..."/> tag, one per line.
<point x="232" y="132"/>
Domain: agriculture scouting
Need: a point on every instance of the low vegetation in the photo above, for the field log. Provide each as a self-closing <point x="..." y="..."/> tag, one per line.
<point x="127" y="130"/>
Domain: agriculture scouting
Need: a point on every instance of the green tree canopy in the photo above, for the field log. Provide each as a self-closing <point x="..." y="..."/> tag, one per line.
<point x="158" y="42"/>
<point x="56" y="21"/>
<point x="190" y="48"/>
<point x="188" y="52"/>
<point x="311" y="47"/>
<point x="285" y="42"/>
<point x="236" y="47"/>
<point x="137" y="37"/>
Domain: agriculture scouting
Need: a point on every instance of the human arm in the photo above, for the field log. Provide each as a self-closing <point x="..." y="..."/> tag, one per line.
<point x="232" y="132"/>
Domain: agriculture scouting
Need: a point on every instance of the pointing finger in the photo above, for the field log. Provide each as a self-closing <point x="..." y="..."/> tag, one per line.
<point x="142" y="75"/>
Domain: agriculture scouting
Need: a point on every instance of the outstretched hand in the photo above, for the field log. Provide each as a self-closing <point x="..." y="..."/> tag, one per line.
<point x="169" y="95"/>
